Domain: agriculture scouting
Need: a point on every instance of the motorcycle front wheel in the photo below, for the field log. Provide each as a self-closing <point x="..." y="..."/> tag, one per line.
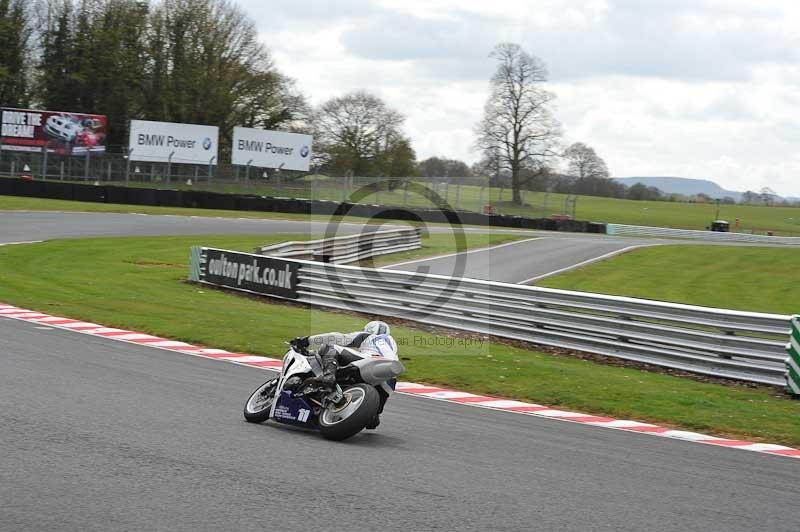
<point x="348" y="417"/>
<point x="257" y="407"/>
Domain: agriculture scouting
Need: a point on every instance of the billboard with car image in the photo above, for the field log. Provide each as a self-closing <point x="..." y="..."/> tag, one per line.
<point x="63" y="133"/>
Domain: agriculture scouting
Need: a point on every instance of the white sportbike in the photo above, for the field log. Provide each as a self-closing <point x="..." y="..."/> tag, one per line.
<point x="362" y="387"/>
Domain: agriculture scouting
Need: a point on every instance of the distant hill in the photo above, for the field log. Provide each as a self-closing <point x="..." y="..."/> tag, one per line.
<point x="682" y="185"/>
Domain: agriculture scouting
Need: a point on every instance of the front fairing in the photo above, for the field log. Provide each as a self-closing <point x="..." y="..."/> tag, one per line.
<point x="294" y="411"/>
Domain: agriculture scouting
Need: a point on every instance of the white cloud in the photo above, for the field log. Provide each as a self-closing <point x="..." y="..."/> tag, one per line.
<point x="696" y="88"/>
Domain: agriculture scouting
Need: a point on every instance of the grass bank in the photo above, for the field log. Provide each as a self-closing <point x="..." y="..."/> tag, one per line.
<point x="138" y="283"/>
<point x="758" y="279"/>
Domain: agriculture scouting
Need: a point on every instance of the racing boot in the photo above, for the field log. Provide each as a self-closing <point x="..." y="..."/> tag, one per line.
<point x="327" y="380"/>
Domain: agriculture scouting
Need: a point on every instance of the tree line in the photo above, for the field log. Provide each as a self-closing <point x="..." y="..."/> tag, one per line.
<point x="188" y="61"/>
<point x="201" y="61"/>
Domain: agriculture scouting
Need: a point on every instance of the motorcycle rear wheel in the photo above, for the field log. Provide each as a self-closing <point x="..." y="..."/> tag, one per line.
<point x="258" y="405"/>
<point x="341" y="421"/>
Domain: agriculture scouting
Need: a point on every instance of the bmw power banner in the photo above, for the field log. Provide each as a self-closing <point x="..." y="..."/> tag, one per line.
<point x="59" y="132"/>
<point x="271" y="149"/>
<point x="244" y="271"/>
<point x="162" y="142"/>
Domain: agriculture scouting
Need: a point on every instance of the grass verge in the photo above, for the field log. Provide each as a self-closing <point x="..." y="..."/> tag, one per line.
<point x="138" y="283"/>
<point x="758" y="279"/>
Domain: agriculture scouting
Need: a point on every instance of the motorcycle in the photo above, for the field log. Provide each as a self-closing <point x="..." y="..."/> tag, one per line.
<point x="362" y="386"/>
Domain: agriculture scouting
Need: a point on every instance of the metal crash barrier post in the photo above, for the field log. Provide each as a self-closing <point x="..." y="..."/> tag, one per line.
<point x="793" y="360"/>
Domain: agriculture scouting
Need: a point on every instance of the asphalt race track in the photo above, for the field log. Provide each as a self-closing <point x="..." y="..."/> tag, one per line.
<point x="24" y="226"/>
<point x="520" y="261"/>
<point x="98" y="435"/>
<point x="514" y="263"/>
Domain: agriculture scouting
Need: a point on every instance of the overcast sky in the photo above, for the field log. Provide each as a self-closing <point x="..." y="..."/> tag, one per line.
<point x="692" y="88"/>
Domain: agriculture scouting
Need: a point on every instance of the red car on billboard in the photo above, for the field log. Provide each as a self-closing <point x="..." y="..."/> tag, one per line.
<point x="62" y="133"/>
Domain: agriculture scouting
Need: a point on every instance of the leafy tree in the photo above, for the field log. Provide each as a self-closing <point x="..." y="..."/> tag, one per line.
<point x="57" y="80"/>
<point x="640" y="191"/>
<point x="194" y="61"/>
<point x="518" y="129"/>
<point x="398" y="159"/>
<point x="14" y="53"/>
<point x="206" y="65"/>
<point x="751" y="197"/>
<point x="442" y="167"/>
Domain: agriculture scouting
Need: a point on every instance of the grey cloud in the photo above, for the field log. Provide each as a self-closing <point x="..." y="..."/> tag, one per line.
<point x="271" y="15"/>
<point x="672" y="40"/>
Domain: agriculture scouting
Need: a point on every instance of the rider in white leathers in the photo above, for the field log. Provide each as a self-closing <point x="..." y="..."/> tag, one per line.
<point x="374" y="341"/>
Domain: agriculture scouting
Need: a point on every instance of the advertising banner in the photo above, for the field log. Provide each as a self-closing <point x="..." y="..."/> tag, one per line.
<point x="61" y="133"/>
<point x="244" y="271"/>
<point x="161" y="142"/>
<point x="271" y="149"/>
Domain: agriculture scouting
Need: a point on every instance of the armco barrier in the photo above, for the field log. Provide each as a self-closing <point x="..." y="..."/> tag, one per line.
<point x="242" y="202"/>
<point x="345" y="249"/>
<point x="712" y="236"/>
<point x="793" y="360"/>
<point x="724" y="343"/>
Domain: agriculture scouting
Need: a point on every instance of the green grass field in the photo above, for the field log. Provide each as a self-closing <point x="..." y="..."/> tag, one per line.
<point x="139" y="283"/>
<point x="782" y="220"/>
<point x="759" y="279"/>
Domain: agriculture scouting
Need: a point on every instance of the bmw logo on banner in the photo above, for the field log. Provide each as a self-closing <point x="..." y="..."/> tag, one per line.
<point x="207" y="144"/>
<point x="304" y="151"/>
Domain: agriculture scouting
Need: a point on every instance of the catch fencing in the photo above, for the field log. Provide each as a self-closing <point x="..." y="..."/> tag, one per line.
<point x="722" y="343"/>
<point x="346" y="249"/>
<point x="712" y="236"/>
<point x="451" y="193"/>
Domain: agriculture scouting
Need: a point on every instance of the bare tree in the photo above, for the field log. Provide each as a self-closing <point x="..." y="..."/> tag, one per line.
<point x="583" y="162"/>
<point x="356" y="130"/>
<point x="518" y="127"/>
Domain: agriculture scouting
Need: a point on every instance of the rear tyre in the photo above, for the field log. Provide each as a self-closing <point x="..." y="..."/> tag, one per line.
<point x="257" y="407"/>
<point x="359" y="406"/>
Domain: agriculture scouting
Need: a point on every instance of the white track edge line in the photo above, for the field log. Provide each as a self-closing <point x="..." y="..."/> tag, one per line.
<point x="587" y="261"/>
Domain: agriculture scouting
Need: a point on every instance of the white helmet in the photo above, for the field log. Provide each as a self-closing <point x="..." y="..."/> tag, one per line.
<point x="376" y="327"/>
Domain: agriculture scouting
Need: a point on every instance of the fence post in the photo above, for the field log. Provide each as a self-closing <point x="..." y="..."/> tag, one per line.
<point x="44" y="163"/>
<point x="458" y="195"/>
<point x="247" y="174"/>
<point x="793" y="360"/>
<point x="480" y="198"/>
<point x="86" y="164"/>
<point x="128" y="167"/>
<point x="13" y="168"/>
<point x="210" y="171"/>
<point x="405" y="192"/>
<point x="169" y="168"/>
<point x="378" y="194"/>
<point x="62" y="169"/>
<point x="574" y="205"/>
